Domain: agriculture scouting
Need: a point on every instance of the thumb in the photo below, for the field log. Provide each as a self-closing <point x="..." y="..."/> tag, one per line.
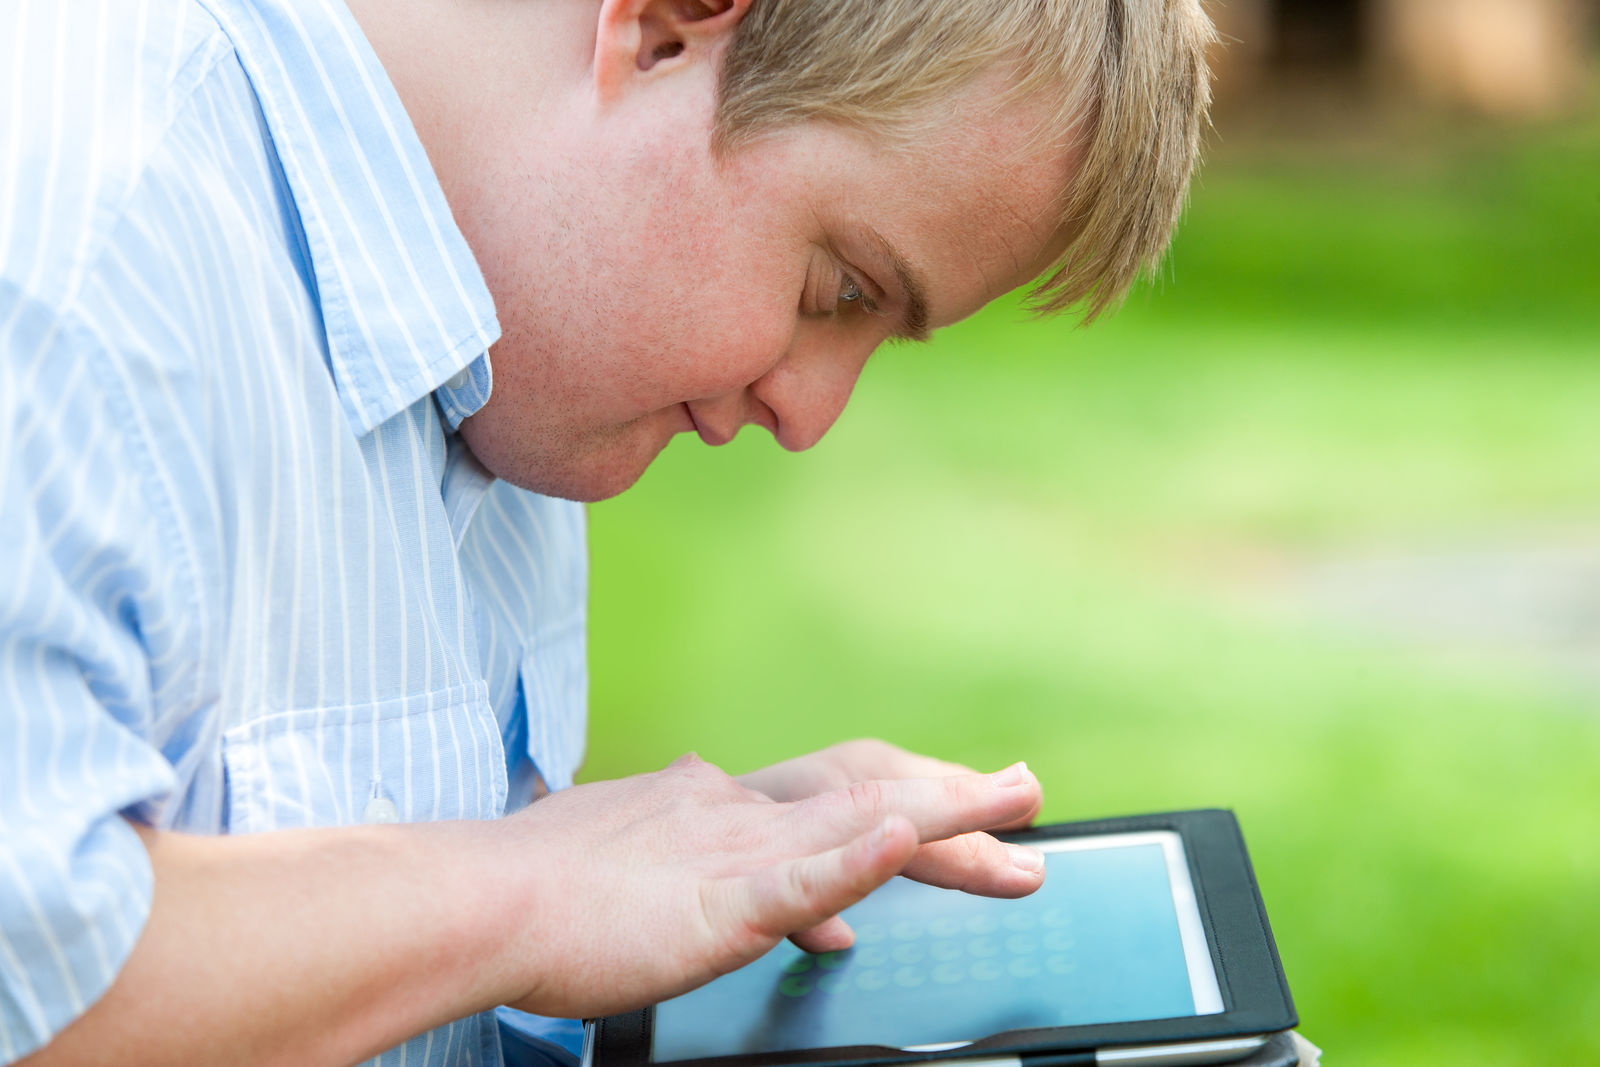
<point x="830" y="935"/>
<point x="799" y="894"/>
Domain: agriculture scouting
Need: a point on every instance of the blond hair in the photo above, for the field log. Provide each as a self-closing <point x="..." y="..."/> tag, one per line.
<point x="1129" y="75"/>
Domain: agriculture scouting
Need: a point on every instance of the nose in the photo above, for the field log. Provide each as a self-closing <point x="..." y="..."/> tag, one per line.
<point x="810" y="386"/>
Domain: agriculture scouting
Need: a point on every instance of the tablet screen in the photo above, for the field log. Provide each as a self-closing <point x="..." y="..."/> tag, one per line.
<point x="1114" y="935"/>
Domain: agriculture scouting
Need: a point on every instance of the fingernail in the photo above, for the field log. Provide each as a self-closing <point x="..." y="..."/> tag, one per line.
<point x="881" y="834"/>
<point x="1024" y="858"/>
<point x="1015" y="774"/>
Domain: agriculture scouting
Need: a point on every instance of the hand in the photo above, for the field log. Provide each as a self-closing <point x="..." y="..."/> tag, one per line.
<point x="971" y="862"/>
<point x="649" y="886"/>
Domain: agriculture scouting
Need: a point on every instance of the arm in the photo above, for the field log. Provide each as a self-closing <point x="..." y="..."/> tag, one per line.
<point x="326" y="946"/>
<point x="303" y="947"/>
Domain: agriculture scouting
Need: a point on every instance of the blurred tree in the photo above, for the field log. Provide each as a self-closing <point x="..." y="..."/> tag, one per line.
<point x="1515" y="58"/>
<point x="1503" y="57"/>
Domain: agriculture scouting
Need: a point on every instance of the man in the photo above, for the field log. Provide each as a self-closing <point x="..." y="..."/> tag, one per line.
<point x="297" y="304"/>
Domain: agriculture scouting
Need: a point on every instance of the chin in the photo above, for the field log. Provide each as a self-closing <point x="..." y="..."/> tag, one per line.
<point x="585" y="468"/>
<point x="571" y="476"/>
<point x="586" y="487"/>
<point x="586" y="484"/>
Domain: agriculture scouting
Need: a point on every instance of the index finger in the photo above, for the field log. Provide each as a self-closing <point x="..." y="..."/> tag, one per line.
<point x="938" y="807"/>
<point x="882" y="760"/>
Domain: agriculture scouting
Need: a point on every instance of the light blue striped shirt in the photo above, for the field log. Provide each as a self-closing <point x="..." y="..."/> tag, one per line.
<point x="249" y="576"/>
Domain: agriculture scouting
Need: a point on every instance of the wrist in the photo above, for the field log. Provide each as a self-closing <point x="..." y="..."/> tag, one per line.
<point x="444" y="918"/>
<point x="494" y="952"/>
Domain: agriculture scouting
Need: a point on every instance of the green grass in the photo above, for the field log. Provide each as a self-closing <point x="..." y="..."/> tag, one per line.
<point x="1029" y="540"/>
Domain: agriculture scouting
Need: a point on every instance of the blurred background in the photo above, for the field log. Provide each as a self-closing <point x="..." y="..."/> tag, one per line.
<point x="1310" y="529"/>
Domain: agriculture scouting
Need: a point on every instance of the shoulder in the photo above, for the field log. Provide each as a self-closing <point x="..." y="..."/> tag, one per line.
<point x="92" y="89"/>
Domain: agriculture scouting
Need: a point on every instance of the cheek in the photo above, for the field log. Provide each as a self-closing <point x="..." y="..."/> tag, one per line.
<point x="674" y="297"/>
<point x="708" y="314"/>
<point x="753" y="343"/>
<point x="719" y="289"/>
<point x="706" y="350"/>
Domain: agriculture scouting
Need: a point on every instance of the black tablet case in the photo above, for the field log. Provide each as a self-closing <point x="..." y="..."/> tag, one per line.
<point x="1245" y="956"/>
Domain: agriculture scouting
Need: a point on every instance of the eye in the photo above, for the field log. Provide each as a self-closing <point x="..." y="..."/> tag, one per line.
<point x="831" y="288"/>
<point x="851" y="292"/>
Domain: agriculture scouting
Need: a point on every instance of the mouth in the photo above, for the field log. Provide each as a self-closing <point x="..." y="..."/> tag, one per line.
<point x="707" y="435"/>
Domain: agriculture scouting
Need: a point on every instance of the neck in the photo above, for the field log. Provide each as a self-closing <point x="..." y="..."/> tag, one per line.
<point x="480" y="79"/>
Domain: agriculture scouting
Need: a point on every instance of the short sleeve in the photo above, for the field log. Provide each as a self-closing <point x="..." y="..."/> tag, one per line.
<point x="75" y="706"/>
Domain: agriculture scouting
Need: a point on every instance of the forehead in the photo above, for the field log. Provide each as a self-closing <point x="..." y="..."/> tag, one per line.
<point x="983" y="210"/>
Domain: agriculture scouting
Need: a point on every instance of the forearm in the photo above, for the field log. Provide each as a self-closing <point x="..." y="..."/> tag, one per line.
<point x="328" y="946"/>
<point x="303" y="947"/>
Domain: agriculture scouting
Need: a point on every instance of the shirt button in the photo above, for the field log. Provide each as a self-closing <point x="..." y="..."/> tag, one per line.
<point x="380" y="810"/>
<point x="457" y="380"/>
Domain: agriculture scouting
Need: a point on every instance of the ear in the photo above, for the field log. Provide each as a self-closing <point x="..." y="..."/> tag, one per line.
<point x="654" y="36"/>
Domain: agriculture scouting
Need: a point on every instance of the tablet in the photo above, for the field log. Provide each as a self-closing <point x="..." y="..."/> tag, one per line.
<point x="1148" y="943"/>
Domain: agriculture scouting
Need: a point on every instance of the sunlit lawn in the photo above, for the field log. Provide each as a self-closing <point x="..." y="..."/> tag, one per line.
<point x="1033" y="541"/>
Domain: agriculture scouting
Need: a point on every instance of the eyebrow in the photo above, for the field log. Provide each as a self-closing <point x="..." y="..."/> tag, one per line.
<point x="914" y="323"/>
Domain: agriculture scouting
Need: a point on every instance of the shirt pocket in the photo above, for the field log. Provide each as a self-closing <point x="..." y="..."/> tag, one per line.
<point x="434" y="755"/>
<point x="555" y="699"/>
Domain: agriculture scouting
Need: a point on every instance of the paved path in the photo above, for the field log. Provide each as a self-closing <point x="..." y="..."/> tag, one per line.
<point x="1536" y="604"/>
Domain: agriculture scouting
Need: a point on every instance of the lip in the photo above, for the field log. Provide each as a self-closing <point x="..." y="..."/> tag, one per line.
<point x="707" y="435"/>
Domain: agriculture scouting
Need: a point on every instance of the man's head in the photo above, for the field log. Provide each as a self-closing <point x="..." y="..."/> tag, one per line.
<point x="698" y="214"/>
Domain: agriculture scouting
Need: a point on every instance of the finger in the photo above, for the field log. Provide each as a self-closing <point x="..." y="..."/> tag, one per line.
<point x="938" y="807"/>
<point x="830" y="935"/>
<point x="867" y="759"/>
<point x="977" y="863"/>
<point x="793" y="779"/>
<point x="838" y="765"/>
<point x="1024" y="820"/>
<point x="800" y="894"/>
<point x="879" y="759"/>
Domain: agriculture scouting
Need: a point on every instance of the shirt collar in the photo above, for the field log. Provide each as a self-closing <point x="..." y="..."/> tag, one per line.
<point x="404" y="305"/>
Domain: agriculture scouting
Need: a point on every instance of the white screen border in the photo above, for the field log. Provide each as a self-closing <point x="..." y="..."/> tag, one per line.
<point x="1203" y="985"/>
